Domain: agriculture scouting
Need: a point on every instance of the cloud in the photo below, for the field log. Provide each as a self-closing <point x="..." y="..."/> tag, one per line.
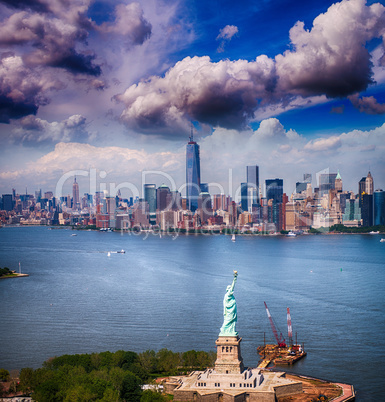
<point x="46" y="35"/>
<point x="338" y="109"/>
<point x="328" y="61"/>
<point x="32" y="130"/>
<point x="22" y="89"/>
<point x="367" y="104"/>
<point x="220" y="94"/>
<point x="226" y="34"/>
<point x="331" y="58"/>
<point x="324" y="144"/>
<point x="129" y="23"/>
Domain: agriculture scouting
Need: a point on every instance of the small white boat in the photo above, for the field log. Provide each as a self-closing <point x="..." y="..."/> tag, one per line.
<point x="233" y="237"/>
<point x="74" y="234"/>
<point x="382" y="240"/>
<point x="291" y="234"/>
<point x="108" y="254"/>
<point x="372" y="232"/>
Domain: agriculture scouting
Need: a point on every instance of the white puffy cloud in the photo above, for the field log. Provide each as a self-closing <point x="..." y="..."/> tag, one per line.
<point x="330" y="60"/>
<point x="129" y="23"/>
<point x="221" y="94"/>
<point x="32" y="130"/>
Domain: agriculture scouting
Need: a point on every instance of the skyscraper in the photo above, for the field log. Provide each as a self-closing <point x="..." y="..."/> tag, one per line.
<point x="379" y="207"/>
<point x="244" y="197"/>
<point x="274" y="190"/>
<point x="326" y="182"/>
<point x="150" y="197"/>
<point x="369" y="184"/>
<point x="252" y="186"/>
<point x="75" y="195"/>
<point x="193" y="174"/>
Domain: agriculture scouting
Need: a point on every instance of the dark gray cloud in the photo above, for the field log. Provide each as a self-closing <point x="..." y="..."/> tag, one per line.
<point x="46" y="35"/>
<point x="367" y="104"/>
<point x="330" y="59"/>
<point x="10" y="109"/>
<point x="22" y="90"/>
<point x="34" y="5"/>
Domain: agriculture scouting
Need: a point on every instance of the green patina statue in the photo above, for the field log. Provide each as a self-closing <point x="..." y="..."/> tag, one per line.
<point x="229" y="311"/>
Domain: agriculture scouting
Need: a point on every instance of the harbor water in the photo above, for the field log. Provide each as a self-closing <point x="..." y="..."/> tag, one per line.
<point x="166" y="292"/>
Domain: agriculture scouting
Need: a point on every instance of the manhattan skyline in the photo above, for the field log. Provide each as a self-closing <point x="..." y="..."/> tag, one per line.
<point x="111" y="86"/>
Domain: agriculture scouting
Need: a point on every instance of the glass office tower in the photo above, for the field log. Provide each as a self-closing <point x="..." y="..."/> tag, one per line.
<point x="252" y="186"/>
<point x="193" y="174"/>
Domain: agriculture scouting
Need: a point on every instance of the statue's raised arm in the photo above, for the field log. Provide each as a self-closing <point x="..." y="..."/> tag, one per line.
<point x="229" y="310"/>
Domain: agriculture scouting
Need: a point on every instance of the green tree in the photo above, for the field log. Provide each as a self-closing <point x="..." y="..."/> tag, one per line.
<point x="131" y="390"/>
<point x="151" y="396"/>
<point x="26" y="379"/>
<point x="148" y="361"/>
<point x="4" y="375"/>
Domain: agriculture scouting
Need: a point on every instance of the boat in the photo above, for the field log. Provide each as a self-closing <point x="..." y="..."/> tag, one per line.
<point x="372" y="232"/>
<point x="233" y="237"/>
<point x="74" y="234"/>
<point x="291" y="234"/>
<point x="108" y="254"/>
<point x="382" y="240"/>
<point x="121" y="251"/>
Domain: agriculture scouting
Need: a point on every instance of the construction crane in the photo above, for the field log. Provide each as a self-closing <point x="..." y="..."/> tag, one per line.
<point x="289" y="327"/>
<point x="280" y="341"/>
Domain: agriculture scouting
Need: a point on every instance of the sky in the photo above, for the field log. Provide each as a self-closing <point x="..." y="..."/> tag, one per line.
<point x="109" y="91"/>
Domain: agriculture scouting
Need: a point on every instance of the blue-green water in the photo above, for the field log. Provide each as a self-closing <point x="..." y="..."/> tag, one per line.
<point x="167" y="293"/>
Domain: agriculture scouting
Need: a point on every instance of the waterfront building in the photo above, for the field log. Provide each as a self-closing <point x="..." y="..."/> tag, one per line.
<point x="141" y="214"/>
<point x="168" y="220"/>
<point x="193" y="174"/>
<point x="252" y="177"/>
<point x="75" y="196"/>
<point x="367" y="209"/>
<point x="352" y="215"/>
<point x="379" y="207"/>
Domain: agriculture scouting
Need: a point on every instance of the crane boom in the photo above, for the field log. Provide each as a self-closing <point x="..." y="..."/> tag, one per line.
<point x="281" y="342"/>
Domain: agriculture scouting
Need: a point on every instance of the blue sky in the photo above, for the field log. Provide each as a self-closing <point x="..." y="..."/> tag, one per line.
<point x="113" y="87"/>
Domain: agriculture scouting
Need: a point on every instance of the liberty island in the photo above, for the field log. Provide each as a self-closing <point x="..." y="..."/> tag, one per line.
<point x="229" y="380"/>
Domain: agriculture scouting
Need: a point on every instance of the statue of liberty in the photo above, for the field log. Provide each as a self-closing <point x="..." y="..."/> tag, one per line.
<point x="229" y="311"/>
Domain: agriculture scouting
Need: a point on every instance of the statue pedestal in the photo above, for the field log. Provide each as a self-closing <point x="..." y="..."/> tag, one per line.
<point x="229" y="359"/>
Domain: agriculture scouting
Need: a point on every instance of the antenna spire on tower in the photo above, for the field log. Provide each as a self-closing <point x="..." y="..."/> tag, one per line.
<point x="191" y="138"/>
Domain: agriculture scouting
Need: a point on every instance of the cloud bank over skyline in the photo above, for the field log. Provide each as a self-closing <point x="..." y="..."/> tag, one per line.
<point x="82" y="79"/>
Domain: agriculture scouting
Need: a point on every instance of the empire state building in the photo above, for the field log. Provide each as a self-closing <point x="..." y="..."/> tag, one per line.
<point x="193" y="174"/>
